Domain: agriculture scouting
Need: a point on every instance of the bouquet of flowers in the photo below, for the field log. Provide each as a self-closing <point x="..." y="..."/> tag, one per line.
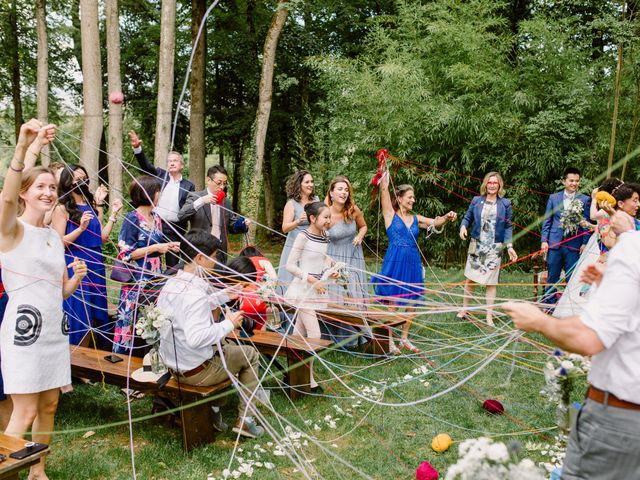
<point x="571" y="218"/>
<point x="560" y="373"/>
<point x="149" y="324"/>
<point x="267" y="288"/>
<point x="483" y="459"/>
<point x="342" y="269"/>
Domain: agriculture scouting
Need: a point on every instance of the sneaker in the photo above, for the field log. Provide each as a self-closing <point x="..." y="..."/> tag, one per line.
<point x="218" y="423"/>
<point x="248" y="428"/>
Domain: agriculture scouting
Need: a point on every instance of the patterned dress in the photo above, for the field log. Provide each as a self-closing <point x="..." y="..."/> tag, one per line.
<point x="33" y="336"/>
<point x="136" y="233"/>
<point x="485" y="257"/>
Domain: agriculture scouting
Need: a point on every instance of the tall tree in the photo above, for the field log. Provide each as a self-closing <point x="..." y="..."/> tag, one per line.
<point x="42" y="71"/>
<point x="196" y="122"/>
<point x="13" y="49"/>
<point x="264" y="103"/>
<point x="165" y="81"/>
<point x="114" y="140"/>
<point x="91" y="87"/>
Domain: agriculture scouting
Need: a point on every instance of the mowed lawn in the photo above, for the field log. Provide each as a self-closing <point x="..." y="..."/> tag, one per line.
<point x="348" y="432"/>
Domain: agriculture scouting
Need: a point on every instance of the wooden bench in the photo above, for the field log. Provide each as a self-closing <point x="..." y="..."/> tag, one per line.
<point x="297" y="349"/>
<point x="10" y="468"/>
<point x="380" y="321"/>
<point x="197" y="420"/>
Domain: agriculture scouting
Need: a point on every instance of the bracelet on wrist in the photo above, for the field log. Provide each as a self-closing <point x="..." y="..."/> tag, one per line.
<point x="16" y="169"/>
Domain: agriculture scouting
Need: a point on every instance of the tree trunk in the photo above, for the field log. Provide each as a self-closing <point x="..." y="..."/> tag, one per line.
<point x="13" y="49"/>
<point x="614" y="120"/>
<point x="91" y="88"/>
<point x="264" y="108"/>
<point x="269" y="197"/>
<point x="165" y="81"/>
<point x="114" y="141"/>
<point x="237" y="174"/>
<point x="196" y="123"/>
<point x="42" y="73"/>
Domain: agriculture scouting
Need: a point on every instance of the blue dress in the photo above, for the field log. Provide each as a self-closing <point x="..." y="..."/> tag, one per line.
<point x="401" y="275"/>
<point x="86" y="309"/>
<point x="135" y="233"/>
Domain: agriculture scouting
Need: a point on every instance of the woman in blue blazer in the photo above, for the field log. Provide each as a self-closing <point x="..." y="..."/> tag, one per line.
<point x="489" y="216"/>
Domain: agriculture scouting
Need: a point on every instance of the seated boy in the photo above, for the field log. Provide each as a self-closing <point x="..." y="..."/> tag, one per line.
<point x="192" y="344"/>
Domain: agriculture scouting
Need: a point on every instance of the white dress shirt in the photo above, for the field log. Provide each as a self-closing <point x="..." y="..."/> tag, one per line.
<point x="187" y="300"/>
<point x="614" y="314"/>
<point x="567" y="198"/>
<point x="216" y="229"/>
<point x="168" y="205"/>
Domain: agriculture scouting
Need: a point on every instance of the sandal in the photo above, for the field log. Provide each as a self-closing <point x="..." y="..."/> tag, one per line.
<point x="409" y="346"/>
<point x="132" y="394"/>
<point x="393" y="350"/>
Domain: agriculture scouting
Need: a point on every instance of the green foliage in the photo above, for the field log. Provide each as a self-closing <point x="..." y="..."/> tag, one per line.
<point x="437" y="85"/>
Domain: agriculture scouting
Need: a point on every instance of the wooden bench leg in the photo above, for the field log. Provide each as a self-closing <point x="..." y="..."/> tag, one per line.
<point x="197" y="424"/>
<point x="299" y="377"/>
<point x="379" y="344"/>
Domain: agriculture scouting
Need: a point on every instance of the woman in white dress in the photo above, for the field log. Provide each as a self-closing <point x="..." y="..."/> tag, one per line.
<point x="308" y="261"/>
<point x="34" y="334"/>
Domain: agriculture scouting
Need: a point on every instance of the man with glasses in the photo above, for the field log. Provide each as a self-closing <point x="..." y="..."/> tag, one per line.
<point x="173" y="195"/>
<point x="210" y="210"/>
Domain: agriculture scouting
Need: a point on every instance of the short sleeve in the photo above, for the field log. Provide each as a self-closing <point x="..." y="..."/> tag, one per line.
<point x="128" y="238"/>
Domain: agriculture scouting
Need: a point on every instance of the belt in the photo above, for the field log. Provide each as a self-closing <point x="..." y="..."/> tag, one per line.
<point x="193" y="371"/>
<point x="606" y="398"/>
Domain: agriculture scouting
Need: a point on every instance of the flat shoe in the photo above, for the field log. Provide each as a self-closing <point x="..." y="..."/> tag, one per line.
<point x="409" y="346"/>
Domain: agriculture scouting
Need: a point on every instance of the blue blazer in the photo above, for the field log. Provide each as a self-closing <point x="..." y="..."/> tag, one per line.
<point x="504" y="229"/>
<point x="552" y="232"/>
<point x="161" y="174"/>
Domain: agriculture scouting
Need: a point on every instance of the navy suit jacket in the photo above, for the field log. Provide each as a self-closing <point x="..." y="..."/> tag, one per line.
<point x="504" y="228"/>
<point x="552" y="232"/>
<point x="160" y="173"/>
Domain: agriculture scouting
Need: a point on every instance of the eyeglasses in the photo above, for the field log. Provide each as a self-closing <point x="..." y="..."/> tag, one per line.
<point x="220" y="183"/>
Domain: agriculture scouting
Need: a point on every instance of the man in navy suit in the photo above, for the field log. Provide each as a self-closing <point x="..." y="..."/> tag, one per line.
<point x="563" y="248"/>
<point x="173" y="194"/>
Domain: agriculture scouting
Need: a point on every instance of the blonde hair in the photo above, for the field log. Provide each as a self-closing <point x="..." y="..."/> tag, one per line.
<point x="400" y="191"/>
<point x="349" y="211"/>
<point x="483" y="187"/>
<point x="28" y="179"/>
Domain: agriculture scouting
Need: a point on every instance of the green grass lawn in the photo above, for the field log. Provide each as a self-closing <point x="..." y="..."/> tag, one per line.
<point x="338" y="429"/>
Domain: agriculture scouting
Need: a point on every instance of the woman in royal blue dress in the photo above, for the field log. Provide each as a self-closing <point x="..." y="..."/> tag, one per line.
<point x="401" y="278"/>
<point x="79" y="219"/>
<point x="141" y="246"/>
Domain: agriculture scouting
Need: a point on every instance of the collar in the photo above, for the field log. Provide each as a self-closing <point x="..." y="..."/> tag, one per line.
<point x="195" y="280"/>
<point x="171" y="180"/>
<point x="566" y="194"/>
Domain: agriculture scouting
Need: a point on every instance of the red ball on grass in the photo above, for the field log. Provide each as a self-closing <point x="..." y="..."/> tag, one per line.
<point x="493" y="406"/>
<point x="426" y="472"/>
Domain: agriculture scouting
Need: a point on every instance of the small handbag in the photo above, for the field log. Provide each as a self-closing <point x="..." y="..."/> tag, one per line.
<point x="121" y="272"/>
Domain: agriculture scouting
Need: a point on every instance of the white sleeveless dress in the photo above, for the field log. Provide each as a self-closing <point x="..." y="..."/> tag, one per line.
<point x="34" y="337"/>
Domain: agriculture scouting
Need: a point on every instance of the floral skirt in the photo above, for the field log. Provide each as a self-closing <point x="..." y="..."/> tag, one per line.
<point x="483" y="262"/>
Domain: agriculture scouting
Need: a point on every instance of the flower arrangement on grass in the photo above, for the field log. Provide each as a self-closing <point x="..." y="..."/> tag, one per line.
<point x="483" y="459"/>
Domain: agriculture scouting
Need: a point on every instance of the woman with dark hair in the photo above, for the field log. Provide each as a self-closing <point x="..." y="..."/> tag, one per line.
<point x="252" y="305"/>
<point x="300" y="191"/>
<point x="308" y="263"/>
<point x="621" y="197"/>
<point x="401" y="278"/>
<point x="79" y="219"/>
<point x="140" y="245"/>
<point x="489" y="219"/>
